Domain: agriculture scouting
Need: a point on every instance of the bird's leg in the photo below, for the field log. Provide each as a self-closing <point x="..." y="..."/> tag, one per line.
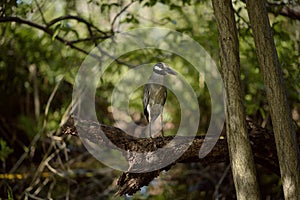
<point x="152" y="139"/>
<point x="150" y="130"/>
<point x="150" y="123"/>
<point x="162" y="127"/>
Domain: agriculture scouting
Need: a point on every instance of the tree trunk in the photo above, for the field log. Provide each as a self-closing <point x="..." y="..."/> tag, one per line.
<point x="242" y="164"/>
<point x="285" y="136"/>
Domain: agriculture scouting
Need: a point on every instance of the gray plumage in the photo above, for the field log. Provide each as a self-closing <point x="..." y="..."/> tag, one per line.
<point x="155" y="94"/>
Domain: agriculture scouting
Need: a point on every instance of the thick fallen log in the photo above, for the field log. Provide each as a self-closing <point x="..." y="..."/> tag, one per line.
<point x="262" y="143"/>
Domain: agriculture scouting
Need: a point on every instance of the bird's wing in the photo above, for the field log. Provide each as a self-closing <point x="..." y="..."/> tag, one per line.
<point x="161" y="96"/>
<point x="158" y="102"/>
<point x="155" y="97"/>
<point x="146" y="100"/>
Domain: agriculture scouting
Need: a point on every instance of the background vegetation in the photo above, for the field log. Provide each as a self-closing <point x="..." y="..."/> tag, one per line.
<point x="43" y="44"/>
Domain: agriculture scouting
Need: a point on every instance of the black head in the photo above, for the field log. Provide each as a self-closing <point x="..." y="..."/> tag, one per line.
<point x="163" y="69"/>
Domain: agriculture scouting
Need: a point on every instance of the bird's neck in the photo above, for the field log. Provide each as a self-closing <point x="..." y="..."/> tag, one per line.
<point x="157" y="78"/>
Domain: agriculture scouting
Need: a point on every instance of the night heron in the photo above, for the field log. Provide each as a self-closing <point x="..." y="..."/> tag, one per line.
<point x="155" y="94"/>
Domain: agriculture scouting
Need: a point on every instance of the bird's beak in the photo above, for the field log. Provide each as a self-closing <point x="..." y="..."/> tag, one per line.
<point x="170" y="71"/>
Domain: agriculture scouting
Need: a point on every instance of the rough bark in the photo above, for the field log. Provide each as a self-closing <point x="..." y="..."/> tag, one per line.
<point x="241" y="158"/>
<point x="129" y="183"/>
<point x="285" y="10"/>
<point x="285" y="136"/>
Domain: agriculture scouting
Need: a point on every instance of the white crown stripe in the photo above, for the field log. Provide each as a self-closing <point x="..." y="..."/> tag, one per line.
<point x="157" y="68"/>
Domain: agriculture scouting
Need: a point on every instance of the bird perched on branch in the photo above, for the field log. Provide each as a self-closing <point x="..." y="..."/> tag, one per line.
<point x="155" y="93"/>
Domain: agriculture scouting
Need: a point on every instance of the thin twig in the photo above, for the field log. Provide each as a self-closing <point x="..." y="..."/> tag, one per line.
<point x="40" y="11"/>
<point x="66" y="42"/>
<point x="121" y="11"/>
<point x="51" y="98"/>
<point x="54" y="21"/>
<point x="221" y="181"/>
<point x="48" y="31"/>
<point x="92" y="38"/>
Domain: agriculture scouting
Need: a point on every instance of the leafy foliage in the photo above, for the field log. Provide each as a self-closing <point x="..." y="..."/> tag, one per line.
<point x="5" y="150"/>
<point x="37" y="73"/>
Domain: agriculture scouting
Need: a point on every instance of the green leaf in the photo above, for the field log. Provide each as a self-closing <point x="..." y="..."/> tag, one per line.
<point x="56" y="31"/>
<point x="10" y="194"/>
<point x="4" y="150"/>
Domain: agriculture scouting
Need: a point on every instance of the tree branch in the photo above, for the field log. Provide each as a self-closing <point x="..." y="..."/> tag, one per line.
<point x="72" y="43"/>
<point x="290" y="12"/>
<point x="118" y="14"/>
<point x="284" y="10"/>
<point x="92" y="38"/>
<point x="79" y="19"/>
<point x="46" y="30"/>
<point x="129" y="183"/>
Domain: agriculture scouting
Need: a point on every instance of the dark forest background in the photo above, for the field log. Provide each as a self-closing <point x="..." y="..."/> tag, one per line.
<point x="42" y="45"/>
